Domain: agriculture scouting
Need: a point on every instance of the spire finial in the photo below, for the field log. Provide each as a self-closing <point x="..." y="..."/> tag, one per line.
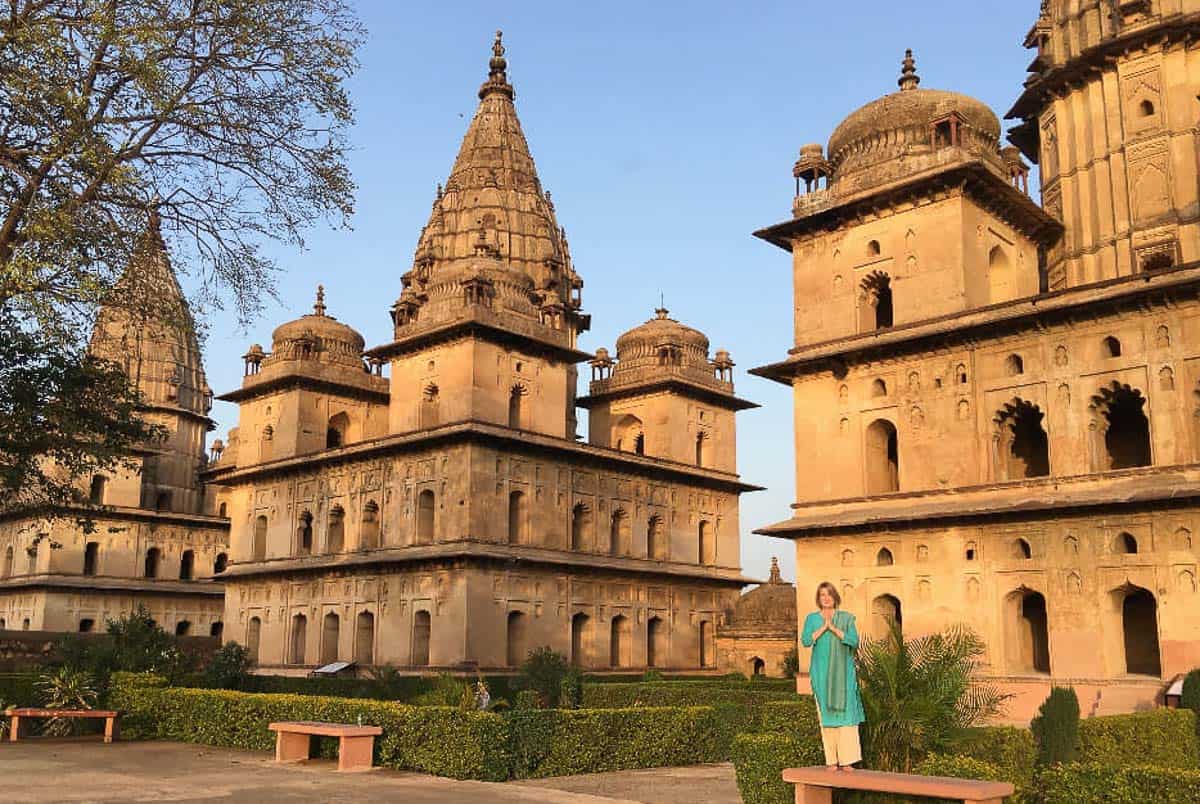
<point x="908" y="72"/>
<point x="319" y="307"/>
<point x="497" y="80"/>
<point x="775" y="576"/>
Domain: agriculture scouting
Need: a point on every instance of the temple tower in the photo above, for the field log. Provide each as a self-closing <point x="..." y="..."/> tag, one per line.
<point x="1109" y="114"/>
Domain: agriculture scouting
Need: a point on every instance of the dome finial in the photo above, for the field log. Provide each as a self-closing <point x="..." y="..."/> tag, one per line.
<point x="319" y="307"/>
<point x="497" y="80"/>
<point x="908" y="73"/>
<point x="775" y="576"/>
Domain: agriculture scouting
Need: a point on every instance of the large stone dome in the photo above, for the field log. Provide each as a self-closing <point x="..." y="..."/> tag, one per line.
<point x="644" y="340"/>
<point x="318" y="335"/>
<point x="770" y="606"/>
<point x="906" y="109"/>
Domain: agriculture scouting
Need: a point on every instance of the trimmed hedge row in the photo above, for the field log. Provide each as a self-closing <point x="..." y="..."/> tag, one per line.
<point x="436" y="740"/>
<point x="1164" y="738"/>
<point x="1094" y="783"/>
<point x="19" y="689"/>
<point x="759" y="760"/>
<point x="740" y="703"/>
<point x="1009" y="749"/>
<point x="561" y="742"/>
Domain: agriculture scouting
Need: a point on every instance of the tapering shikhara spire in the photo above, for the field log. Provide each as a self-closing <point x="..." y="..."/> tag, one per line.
<point x="493" y="205"/>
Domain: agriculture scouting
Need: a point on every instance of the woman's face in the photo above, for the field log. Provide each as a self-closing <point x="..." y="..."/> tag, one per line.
<point x="824" y="598"/>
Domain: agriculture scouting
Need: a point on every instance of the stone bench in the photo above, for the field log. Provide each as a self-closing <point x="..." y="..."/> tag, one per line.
<point x="816" y="785"/>
<point x="356" y="744"/>
<point x="19" y="716"/>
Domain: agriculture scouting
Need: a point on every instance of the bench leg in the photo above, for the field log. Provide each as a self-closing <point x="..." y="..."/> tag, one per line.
<point x="355" y="753"/>
<point x="14" y="728"/>
<point x="812" y="794"/>
<point x="291" y="747"/>
<point x="112" y="730"/>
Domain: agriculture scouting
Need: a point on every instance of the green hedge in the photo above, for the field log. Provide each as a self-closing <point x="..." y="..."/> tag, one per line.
<point x="760" y="759"/>
<point x="406" y="689"/>
<point x="1164" y="738"/>
<point x="561" y="742"/>
<point x="1007" y="748"/>
<point x="1093" y="783"/>
<point x="19" y="689"/>
<point x="740" y="703"/>
<point x="436" y="740"/>
<point x="965" y="767"/>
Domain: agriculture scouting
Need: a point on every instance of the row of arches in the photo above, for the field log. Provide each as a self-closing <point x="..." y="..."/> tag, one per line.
<point x="370" y="530"/>
<point x="629" y="435"/>
<point x="151" y="564"/>
<point x="620" y="642"/>
<point x="620" y="541"/>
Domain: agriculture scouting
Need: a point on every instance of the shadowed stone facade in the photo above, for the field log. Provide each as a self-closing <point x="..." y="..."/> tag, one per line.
<point x="447" y="515"/>
<point x="996" y="401"/>
<point x="158" y="539"/>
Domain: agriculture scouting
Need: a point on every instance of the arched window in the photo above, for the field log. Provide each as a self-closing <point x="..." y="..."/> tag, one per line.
<point x="873" y="249"/>
<point x="758" y="667"/>
<point x="1021" y="549"/>
<point x="620" y="642"/>
<point x="422" y="629"/>
<point x="1146" y="108"/>
<point x="656" y="643"/>
<point x="150" y="569"/>
<point x="1125" y="544"/>
<point x="516" y="639"/>
<point x="299" y="637"/>
<point x="629" y="435"/>
<point x="97" y="491"/>
<point x="708" y="652"/>
<point x="330" y="633"/>
<point x="425" y="520"/>
<point x="163" y="501"/>
<point x="875" y="306"/>
<point x="884" y="558"/>
<point x="619" y="534"/>
<point x="701" y="449"/>
<point x="87" y="625"/>
<point x="219" y="563"/>
<point x="222" y="510"/>
<point x="1139" y="624"/>
<point x="1028" y="631"/>
<point x="91" y="558"/>
<point x="364" y="638"/>
<point x="960" y="372"/>
<point x="580" y="523"/>
<point x="518" y="518"/>
<point x="515" y="404"/>
<point x="656" y="543"/>
<point x="580" y="640"/>
<point x="882" y="457"/>
<point x="304" y="534"/>
<point x="260" y="539"/>
<point x="8" y="562"/>
<point x="878" y="388"/>
<point x="1110" y="347"/>
<point x="368" y="537"/>
<point x="1125" y="427"/>
<point x="1002" y="280"/>
<point x="34" y="551"/>
<point x="970" y="551"/>
<point x="187" y="565"/>
<point x="706" y="552"/>
<point x="885" y="610"/>
<point x="266" y="446"/>
<point x="335" y="538"/>
<point x="338" y="432"/>
<point x="217" y="629"/>
<point x="183" y="628"/>
<point x="1022" y="448"/>
<point x="430" y="408"/>
<point x="1014" y="365"/>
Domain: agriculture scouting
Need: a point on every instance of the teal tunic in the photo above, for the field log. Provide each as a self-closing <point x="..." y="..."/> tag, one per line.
<point x="818" y="671"/>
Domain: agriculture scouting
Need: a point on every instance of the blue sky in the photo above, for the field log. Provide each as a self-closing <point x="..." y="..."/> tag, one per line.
<point x="666" y="133"/>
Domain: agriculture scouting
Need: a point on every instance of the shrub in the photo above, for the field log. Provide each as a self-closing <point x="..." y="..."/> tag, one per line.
<point x="797" y="717"/>
<point x="1008" y="748"/>
<point x="570" y="691"/>
<point x="963" y="767"/>
<point x="135" y="644"/>
<point x="559" y="742"/>
<point x="20" y="689"/>
<point x="791" y="663"/>
<point x="1164" y="738"/>
<point x="740" y="702"/>
<point x="1096" y="783"/>
<point x="1191" y="693"/>
<point x="759" y="760"/>
<point x="436" y="740"/>
<point x="919" y="693"/>
<point x="66" y="689"/>
<point x="229" y="667"/>
<point x="1056" y="727"/>
<point x="543" y="672"/>
<point x="446" y="690"/>
<point x="653" y="675"/>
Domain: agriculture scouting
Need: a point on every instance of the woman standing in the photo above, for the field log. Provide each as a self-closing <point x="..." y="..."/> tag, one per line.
<point x="831" y="633"/>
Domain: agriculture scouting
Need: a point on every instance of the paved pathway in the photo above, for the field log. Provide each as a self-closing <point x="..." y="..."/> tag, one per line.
<point x="62" y="771"/>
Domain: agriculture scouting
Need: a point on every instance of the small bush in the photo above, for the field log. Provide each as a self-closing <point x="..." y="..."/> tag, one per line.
<point x="653" y="675"/>
<point x="760" y="759"/>
<point x="1095" y="783"/>
<point x="791" y="663"/>
<point x="1191" y="693"/>
<point x="1008" y="748"/>
<point x="961" y="767"/>
<point x="229" y="667"/>
<point x="797" y="717"/>
<point x="1056" y="727"/>
<point x="1164" y="738"/>
<point x="570" y="691"/>
<point x="446" y="690"/>
<point x="543" y="672"/>
<point x="67" y="689"/>
<point x="560" y="742"/>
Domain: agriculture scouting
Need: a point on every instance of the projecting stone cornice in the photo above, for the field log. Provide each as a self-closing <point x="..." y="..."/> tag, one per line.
<point x="1016" y="500"/>
<point x="830" y="210"/>
<point x="112" y="583"/>
<point x="477" y="552"/>
<point x="603" y="391"/>
<point x="285" y="382"/>
<point x="518" y="441"/>
<point x="122" y="513"/>
<point x="967" y="326"/>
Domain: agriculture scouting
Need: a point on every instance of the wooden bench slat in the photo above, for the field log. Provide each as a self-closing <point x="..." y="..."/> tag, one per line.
<point x="902" y="783"/>
<point x="30" y="712"/>
<point x="325" y="729"/>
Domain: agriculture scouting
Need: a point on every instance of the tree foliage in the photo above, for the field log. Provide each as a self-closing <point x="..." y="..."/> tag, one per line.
<point x="919" y="694"/>
<point x="542" y="673"/>
<point x="1056" y="727"/>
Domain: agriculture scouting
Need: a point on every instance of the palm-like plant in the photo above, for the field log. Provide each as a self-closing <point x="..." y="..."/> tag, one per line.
<point x="66" y="689"/>
<point x="920" y="694"/>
